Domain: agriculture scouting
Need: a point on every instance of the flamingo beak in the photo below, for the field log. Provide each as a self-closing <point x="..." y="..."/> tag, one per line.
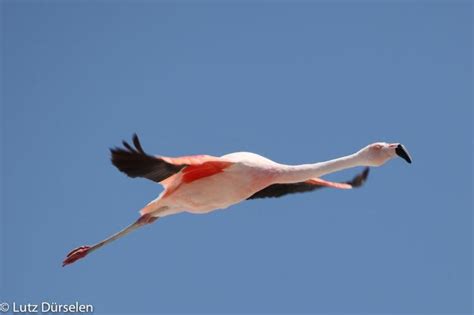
<point x="403" y="153"/>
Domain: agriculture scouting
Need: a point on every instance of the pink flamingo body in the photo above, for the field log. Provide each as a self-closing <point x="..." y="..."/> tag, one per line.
<point x="202" y="183"/>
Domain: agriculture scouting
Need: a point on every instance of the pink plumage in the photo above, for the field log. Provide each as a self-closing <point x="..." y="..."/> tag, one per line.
<point x="203" y="183"/>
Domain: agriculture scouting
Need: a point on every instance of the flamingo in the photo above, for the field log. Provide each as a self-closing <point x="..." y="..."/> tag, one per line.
<point x="203" y="183"/>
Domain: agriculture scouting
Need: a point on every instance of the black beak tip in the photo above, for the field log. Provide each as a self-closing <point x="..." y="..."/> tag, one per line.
<point x="403" y="153"/>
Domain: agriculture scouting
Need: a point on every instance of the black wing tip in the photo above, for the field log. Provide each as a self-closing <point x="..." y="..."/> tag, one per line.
<point x="279" y="190"/>
<point x="135" y="162"/>
<point x="137" y="144"/>
<point x="360" y="179"/>
<point x="128" y="157"/>
<point x="127" y="148"/>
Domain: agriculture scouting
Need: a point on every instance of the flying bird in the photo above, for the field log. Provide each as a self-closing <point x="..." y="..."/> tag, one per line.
<point x="203" y="183"/>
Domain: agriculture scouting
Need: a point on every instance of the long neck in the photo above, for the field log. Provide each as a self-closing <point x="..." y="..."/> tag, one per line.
<point x="301" y="173"/>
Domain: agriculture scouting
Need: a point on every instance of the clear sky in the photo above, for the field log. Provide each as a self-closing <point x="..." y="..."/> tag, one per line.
<point x="297" y="82"/>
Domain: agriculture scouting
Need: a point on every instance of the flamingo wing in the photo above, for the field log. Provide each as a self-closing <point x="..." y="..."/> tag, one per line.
<point x="279" y="190"/>
<point x="134" y="162"/>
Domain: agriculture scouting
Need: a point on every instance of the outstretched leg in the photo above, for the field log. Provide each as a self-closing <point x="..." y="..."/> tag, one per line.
<point x="82" y="251"/>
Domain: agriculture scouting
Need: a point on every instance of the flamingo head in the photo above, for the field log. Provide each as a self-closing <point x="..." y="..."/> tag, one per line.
<point x="379" y="153"/>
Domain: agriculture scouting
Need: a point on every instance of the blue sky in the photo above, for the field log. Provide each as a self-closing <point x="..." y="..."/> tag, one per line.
<point x="297" y="82"/>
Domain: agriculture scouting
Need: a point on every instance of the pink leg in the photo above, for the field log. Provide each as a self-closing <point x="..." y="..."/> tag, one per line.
<point x="83" y="251"/>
